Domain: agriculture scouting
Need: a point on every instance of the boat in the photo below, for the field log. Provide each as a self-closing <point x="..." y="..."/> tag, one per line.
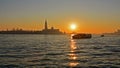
<point x="82" y="36"/>
<point x="102" y="35"/>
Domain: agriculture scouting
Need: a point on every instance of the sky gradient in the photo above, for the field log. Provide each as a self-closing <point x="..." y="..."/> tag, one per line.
<point x="91" y="16"/>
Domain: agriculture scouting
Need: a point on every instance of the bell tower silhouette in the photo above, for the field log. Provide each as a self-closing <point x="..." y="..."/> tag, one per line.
<point x="46" y="25"/>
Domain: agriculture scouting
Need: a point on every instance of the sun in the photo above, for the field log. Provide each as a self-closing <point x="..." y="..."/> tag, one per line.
<point x="73" y="26"/>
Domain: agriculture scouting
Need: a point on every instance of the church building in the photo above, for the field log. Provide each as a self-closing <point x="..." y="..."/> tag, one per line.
<point x="46" y="30"/>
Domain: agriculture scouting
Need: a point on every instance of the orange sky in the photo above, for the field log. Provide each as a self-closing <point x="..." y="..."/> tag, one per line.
<point x="90" y="16"/>
<point x="64" y="25"/>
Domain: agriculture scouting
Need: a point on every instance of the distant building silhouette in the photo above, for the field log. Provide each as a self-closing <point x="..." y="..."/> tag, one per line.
<point x="117" y="32"/>
<point x="46" y="25"/>
<point x="114" y="33"/>
<point x="44" y="31"/>
<point x="50" y="31"/>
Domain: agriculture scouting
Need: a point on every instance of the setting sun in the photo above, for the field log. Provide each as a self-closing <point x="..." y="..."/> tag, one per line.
<point x="73" y="26"/>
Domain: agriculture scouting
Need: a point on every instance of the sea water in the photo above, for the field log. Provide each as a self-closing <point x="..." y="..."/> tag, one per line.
<point x="60" y="51"/>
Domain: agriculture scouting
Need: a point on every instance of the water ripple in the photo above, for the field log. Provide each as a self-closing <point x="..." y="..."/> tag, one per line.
<point x="58" y="51"/>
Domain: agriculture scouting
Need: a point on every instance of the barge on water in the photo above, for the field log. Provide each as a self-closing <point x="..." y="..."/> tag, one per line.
<point x="82" y="36"/>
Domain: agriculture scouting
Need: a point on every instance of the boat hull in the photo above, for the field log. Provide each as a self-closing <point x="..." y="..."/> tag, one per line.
<point x="82" y="36"/>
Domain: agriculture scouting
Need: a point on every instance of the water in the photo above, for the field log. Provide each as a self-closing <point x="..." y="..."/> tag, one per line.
<point x="40" y="51"/>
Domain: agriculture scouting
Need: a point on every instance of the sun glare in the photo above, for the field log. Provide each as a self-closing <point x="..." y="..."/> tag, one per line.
<point x="73" y="26"/>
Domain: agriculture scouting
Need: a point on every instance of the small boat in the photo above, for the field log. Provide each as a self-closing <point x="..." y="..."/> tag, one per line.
<point x="102" y="35"/>
<point x="82" y="36"/>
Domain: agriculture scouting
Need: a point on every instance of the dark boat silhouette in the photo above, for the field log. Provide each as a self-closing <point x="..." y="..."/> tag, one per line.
<point x="102" y="35"/>
<point x="82" y="36"/>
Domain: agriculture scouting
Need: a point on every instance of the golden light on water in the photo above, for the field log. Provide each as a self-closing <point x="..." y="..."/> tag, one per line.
<point x="73" y="46"/>
<point x="72" y="64"/>
<point x="72" y="56"/>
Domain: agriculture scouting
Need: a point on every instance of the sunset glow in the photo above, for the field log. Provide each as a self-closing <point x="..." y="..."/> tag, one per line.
<point x="89" y="16"/>
<point x="73" y="26"/>
<point x="59" y="33"/>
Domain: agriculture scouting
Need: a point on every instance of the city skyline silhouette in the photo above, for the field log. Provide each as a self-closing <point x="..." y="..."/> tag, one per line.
<point x="45" y="30"/>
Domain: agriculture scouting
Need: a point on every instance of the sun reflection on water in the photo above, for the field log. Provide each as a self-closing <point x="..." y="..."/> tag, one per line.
<point x="73" y="56"/>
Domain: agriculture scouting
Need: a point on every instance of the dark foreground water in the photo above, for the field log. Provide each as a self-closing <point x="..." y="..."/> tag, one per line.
<point x="58" y="51"/>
